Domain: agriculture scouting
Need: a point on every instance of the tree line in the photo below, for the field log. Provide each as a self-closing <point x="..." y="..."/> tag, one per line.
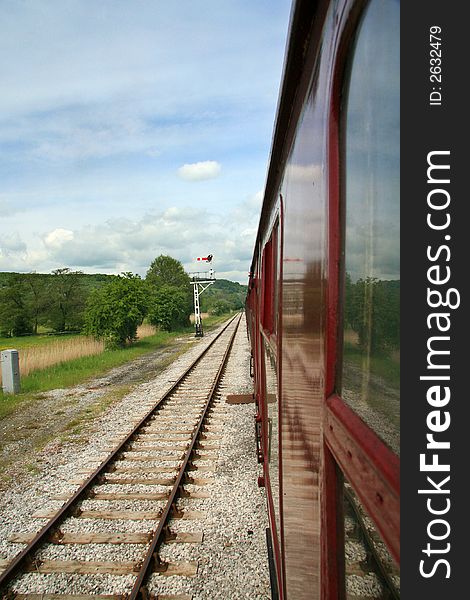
<point x="164" y="298"/>
<point x="55" y="301"/>
<point x="108" y="307"/>
<point x="372" y="310"/>
<point x="223" y="296"/>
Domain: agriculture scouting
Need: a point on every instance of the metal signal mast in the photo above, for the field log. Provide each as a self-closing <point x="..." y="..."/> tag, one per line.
<point x="200" y="282"/>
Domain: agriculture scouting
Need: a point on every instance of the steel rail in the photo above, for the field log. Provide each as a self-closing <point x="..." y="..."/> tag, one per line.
<point x="41" y="537"/>
<point x="380" y="568"/>
<point x="152" y="561"/>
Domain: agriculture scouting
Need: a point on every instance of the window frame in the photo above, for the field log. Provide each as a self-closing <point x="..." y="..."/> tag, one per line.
<point x="270" y="285"/>
<point x="370" y="466"/>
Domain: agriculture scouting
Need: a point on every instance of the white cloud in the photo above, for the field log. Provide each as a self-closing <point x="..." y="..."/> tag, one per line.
<point x="209" y="169"/>
<point x="14" y="253"/>
<point x="5" y="207"/>
<point x="126" y="244"/>
<point x="100" y="108"/>
<point x="11" y="243"/>
<point x="248" y="212"/>
<point x="57" y="237"/>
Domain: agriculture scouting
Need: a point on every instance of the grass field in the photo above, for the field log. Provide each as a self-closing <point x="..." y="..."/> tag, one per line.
<point x="386" y="367"/>
<point x="33" y="341"/>
<point x="40" y="352"/>
<point x="78" y="370"/>
<point x="67" y="372"/>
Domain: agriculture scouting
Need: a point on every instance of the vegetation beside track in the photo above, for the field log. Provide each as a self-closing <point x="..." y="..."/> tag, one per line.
<point x="64" y="426"/>
<point x="76" y="371"/>
<point x="31" y="341"/>
<point x="35" y="420"/>
<point x="381" y="365"/>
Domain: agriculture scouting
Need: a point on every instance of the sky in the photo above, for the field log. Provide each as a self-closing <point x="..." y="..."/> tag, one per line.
<point x="372" y="162"/>
<point x="134" y="128"/>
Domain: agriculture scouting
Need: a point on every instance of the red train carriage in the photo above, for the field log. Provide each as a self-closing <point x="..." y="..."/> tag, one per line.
<point x="323" y="300"/>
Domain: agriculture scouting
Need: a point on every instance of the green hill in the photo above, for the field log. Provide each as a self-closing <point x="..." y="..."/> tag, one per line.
<point x="222" y="296"/>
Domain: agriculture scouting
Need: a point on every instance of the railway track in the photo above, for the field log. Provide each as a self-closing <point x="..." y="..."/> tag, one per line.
<point x="140" y="481"/>
<point x="376" y="572"/>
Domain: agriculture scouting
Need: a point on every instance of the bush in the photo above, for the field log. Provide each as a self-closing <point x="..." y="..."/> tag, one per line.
<point x="220" y="307"/>
<point x="169" y="308"/>
<point x="171" y="297"/>
<point x="115" y="311"/>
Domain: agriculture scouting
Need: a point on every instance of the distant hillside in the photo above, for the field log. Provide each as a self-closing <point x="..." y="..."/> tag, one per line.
<point x="222" y="296"/>
<point x="91" y="281"/>
<point x="231" y="291"/>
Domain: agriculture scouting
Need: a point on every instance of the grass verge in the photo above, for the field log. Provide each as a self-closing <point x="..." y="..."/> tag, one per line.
<point x="32" y="341"/>
<point x="74" y="372"/>
<point x="382" y="366"/>
<point x="214" y="321"/>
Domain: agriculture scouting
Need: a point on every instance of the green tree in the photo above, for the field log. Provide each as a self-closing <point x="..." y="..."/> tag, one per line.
<point x="67" y="300"/>
<point x="372" y="309"/>
<point x="168" y="309"/>
<point x="15" y="316"/>
<point x="115" y="310"/>
<point x="165" y="270"/>
<point x="168" y="272"/>
<point x="38" y="298"/>
<point x="220" y="307"/>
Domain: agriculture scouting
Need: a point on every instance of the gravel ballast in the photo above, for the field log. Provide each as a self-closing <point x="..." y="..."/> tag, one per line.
<point x="232" y="557"/>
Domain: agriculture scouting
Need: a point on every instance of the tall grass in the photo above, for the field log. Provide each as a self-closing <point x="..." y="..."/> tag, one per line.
<point x="75" y="371"/>
<point x="38" y="357"/>
<point x="47" y="363"/>
<point x="145" y="330"/>
<point x="32" y="359"/>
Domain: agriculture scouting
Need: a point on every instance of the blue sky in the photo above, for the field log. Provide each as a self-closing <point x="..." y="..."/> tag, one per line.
<point x="134" y="128"/>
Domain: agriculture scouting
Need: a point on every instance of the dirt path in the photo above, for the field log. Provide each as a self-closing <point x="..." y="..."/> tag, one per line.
<point x="63" y="416"/>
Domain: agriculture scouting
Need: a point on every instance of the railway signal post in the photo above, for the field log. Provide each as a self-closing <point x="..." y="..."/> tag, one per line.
<point x="200" y="282"/>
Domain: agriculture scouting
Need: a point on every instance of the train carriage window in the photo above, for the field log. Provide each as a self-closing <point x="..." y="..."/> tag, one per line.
<point x="371" y="178"/>
<point x="272" y="401"/>
<point x="269" y="278"/>
<point x="270" y="293"/>
<point x="369" y="127"/>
